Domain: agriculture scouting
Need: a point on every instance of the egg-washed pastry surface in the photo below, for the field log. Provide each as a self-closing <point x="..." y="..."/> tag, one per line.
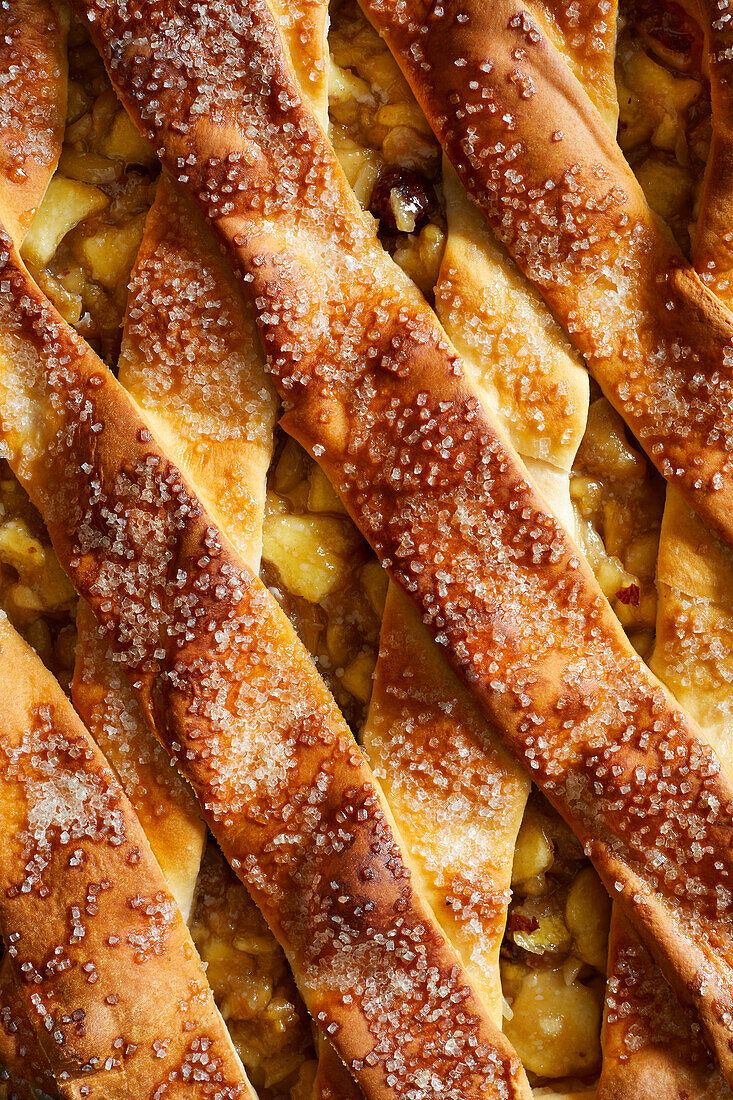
<point x="413" y="945"/>
<point x="295" y="480"/>
<point x="333" y="588"/>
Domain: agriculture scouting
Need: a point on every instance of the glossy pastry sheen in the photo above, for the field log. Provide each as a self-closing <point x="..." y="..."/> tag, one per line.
<point x="421" y="465"/>
<point x="533" y="152"/>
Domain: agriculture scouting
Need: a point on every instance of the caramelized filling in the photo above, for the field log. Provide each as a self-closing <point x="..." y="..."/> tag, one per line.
<point x="35" y="593"/>
<point x="385" y="145"/>
<point x="665" y="124"/>
<point x="80" y="249"/>
<point x="324" y="575"/>
<point x="252" y="984"/>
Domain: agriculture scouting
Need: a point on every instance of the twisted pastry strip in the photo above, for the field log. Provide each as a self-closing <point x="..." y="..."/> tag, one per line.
<point x="192" y="362"/>
<point x="205" y="392"/>
<point x="163" y="801"/>
<point x="457" y="798"/>
<point x="652" y="1048"/>
<point x="234" y="697"/>
<point x="32" y="105"/>
<point x="108" y="973"/>
<point x="379" y="397"/>
<point x="533" y="152"/>
<point x="693" y="656"/>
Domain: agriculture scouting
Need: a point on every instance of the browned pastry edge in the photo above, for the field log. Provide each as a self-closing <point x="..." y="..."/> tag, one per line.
<point x="426" y="477"/>
<point x="653" y="1050"/>
<point x="235" y="698"/>
<point x="536" y="157"/>
<point x="333" y="1080"/>
<point x="107" y="972"/>
<point x="32" y="105"/>
<point x="20" y="1053"/>
<point x="164" y="803"/>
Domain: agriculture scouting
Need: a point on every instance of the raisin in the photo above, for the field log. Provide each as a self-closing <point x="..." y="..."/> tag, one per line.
<point x="629" y="595"/>
<point x="521" y="922"/>
<point x="671" y="35"/>
<point x="415" y="195"/>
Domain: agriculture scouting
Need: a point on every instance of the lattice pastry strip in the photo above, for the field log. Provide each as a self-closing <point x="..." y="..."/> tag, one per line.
<point x="536" y="157"/>
<point x="89" y="696"/>
<point x="107" y="970"/>
<point x="415" y="413"/>
<point x="144" y="375"/>
<point x="693" y="656"/>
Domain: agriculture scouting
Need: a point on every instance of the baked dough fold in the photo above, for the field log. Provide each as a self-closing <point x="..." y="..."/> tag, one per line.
<point x="535" y="155"/>
<point x="379" y="397"/>
<point x="106" y="969"/>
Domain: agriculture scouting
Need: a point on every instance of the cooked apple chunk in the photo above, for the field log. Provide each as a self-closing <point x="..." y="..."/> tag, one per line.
<point x="125" y="142"/>
<point x="66" y="203"/>
<point x="309" y="552"/>
<point x="109" y="253"/>
<point x="556" y="1025"/>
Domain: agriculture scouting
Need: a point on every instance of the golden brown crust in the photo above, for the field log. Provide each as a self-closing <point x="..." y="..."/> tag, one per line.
<point x="191" y="359"/>
<point x="423" y="472"/>
<point x="21" y="1057"/>
<point x="652" y="1049"/>
<point x="108" y="973"/>
<point x="164" y="803"/>
<point x="304" y="28"/>
<point x="236" y="700"/>
<point x="536" y="157"/>
<point x="585" y="33"/>
<point x="457" y="798"/>
<point x="32" y="106"/>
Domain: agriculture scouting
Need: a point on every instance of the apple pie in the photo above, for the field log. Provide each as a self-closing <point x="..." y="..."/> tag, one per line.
<point x="366" y="552"/>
